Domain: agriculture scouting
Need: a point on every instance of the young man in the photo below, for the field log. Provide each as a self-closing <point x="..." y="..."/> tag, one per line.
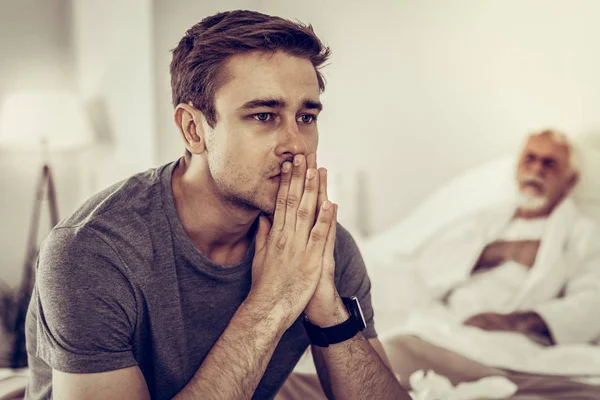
<point x="209" y="277"/>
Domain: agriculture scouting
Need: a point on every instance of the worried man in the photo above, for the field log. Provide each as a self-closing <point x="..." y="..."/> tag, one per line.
<point x="209" y="277"/>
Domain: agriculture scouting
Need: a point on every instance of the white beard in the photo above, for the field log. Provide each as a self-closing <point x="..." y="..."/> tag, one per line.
<point x="531" y="202"/>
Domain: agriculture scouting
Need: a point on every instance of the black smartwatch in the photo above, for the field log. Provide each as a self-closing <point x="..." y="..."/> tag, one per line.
<point x="323" y="337"/>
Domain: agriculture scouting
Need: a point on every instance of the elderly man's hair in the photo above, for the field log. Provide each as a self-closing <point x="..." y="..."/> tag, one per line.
<point x="562" y="139"/>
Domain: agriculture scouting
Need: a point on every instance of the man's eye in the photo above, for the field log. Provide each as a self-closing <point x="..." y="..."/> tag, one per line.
<point x="307" y="118"/>
<point x="549" y="164"/>
<point x="263" y="117"/>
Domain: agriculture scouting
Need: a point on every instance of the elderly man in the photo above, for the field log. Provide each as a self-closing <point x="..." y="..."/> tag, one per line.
<point x="528" y="273"/>
<point x="532" y="265"/>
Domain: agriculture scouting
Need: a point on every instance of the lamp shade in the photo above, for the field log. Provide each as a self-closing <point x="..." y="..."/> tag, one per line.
<point x="56" y="120"/>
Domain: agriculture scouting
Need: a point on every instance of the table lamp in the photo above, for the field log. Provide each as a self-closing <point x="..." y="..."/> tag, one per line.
<point x="42" y="122"/>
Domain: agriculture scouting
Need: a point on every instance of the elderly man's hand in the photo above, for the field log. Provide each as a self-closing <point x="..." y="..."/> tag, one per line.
<point x="526" y="322"/>
<point x="493" y="321"/>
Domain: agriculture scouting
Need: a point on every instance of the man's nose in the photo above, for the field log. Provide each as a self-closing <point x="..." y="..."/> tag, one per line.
<point x="537" y="168"/>
<point x="291" y="140"/>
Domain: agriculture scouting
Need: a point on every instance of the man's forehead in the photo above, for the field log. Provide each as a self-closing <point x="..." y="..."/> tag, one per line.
<point x="546" y="146"/>
<point x="261" y="75"/>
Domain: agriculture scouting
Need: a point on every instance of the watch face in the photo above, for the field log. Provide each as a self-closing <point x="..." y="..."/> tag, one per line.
<point x="356" y="311"/>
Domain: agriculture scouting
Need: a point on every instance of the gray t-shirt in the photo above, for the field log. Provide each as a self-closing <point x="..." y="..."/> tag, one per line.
<point x="120" y="284"/>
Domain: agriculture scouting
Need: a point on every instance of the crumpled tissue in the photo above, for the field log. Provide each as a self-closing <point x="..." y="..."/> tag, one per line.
<point x="431" y="386"/>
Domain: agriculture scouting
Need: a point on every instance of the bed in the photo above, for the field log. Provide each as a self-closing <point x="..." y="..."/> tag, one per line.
<point x="389" y="255"/>
<point x="12" y="383"/>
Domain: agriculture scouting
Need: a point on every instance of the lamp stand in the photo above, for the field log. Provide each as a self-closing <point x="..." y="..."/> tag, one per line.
<point x="45" y="189"/>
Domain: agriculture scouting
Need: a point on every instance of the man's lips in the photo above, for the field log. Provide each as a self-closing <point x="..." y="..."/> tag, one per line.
<point x="536" y="185"/>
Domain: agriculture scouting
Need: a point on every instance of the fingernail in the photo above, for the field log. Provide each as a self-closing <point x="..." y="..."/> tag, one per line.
<point x="286" y="167"/>
<point x="310" y="173"/>
<point x="326" y="205"/>
<point x="298" y="160"/>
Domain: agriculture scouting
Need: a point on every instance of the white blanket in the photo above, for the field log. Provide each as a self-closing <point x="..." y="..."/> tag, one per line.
<point x="568" y="263"/>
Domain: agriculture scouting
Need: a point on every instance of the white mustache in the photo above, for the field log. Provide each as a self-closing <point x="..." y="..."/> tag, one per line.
<point x="533" y="179"/>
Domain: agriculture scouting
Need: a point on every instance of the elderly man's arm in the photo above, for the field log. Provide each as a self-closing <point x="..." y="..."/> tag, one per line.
<point x="574" y="317"/>
<point x="568" y="319"/>
<point x="528" y="323"/>
<point x="571" y="318"/>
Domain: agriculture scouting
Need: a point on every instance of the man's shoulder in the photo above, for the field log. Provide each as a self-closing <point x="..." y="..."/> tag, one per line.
<point x="115" y="219"/>
<point x="120" y="204"/>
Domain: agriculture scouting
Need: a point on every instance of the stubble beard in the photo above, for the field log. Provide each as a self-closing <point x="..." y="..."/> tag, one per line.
<point x="250" y="200"/>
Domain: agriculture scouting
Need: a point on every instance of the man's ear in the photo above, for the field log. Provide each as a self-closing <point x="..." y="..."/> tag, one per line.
<point x="572" y="181"/>
<point x="189" y="121"/>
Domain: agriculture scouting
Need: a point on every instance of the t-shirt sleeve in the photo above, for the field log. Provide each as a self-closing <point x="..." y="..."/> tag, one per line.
<point x="85" y="303"/>
<point x="352" y="278"/>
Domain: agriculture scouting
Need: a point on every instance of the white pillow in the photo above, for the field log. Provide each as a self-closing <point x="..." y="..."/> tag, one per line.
<point x="482" y="187"/>
<point x="587" y="191"/>
<point x="488" y="184"/>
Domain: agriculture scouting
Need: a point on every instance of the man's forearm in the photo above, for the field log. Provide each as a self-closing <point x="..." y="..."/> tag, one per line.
<point x="353" y="370"/>
<point x="238" y="360"/>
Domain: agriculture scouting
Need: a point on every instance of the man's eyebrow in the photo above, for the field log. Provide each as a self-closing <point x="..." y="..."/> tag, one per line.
<point x="270" y="102"/>
<point x="313" y="105"/>
<point x="265" y="102"/>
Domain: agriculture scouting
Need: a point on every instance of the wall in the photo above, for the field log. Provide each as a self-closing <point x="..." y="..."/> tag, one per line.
<point x="419" y="92"/>
<point x="115" y="75"/>
<point x="103" y="50"/>
<point x="35" y="48"/>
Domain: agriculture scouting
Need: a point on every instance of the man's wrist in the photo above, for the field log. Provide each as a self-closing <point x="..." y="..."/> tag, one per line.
<point x="328" y="315"/>
<point x="269" y="312"/>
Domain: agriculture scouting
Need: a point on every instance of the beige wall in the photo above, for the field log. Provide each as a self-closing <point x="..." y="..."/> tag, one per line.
<point x="35" y="49"/>
<point x="103" y="50"/>
<point x="113" y="51"/>
<point x="419" y="91"/>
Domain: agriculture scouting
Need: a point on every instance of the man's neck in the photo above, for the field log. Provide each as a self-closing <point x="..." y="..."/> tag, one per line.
<point x="543" y="212"/>
<point x="218" y="228"/>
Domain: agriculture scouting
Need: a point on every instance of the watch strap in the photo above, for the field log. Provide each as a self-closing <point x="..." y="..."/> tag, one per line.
<point x="323" y="337"/>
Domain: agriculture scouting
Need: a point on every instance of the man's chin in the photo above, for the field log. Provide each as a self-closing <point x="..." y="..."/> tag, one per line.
<point x="266" y="206"/>
<point x="529" y="202"/>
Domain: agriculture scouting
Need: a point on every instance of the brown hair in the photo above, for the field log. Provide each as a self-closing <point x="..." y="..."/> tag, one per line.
<point x="200" y="55"/>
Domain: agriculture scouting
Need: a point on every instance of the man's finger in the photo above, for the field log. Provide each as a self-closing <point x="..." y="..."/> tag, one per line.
<point x="311" y="160"/>
<point x="305" y="216"/>
<point x="295" y="192"/>
<point x="282" y="193"/>
<point x="318" y="234"/>
<point x="322" y="188"/>
<point x="328" y="252"/>
<point x="264" y="226"/>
